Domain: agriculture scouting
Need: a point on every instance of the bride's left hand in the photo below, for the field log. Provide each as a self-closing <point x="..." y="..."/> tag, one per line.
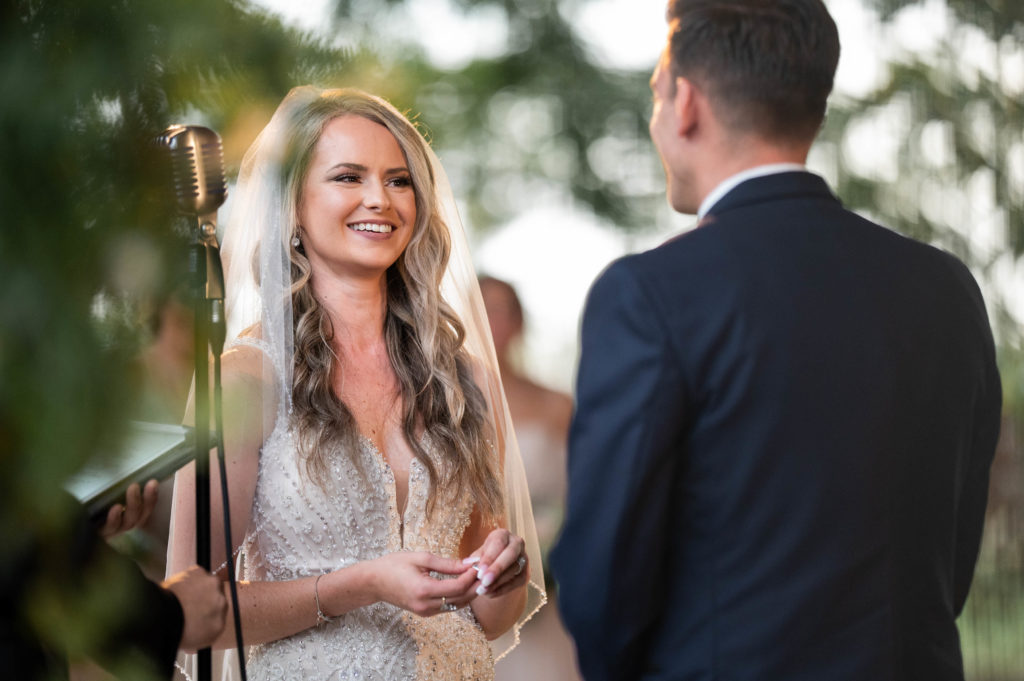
<point x="501" y="563"/>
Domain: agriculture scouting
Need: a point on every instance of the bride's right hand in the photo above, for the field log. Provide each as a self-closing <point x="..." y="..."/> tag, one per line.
<point x="404" y="579"/>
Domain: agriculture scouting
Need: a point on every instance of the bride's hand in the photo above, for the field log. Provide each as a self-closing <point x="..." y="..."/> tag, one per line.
<point x="404" y="579"/>
<point x="501" y="563"/>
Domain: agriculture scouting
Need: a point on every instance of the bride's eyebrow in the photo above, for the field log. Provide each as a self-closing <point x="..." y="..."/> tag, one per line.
<point x="361" y="168"/>
<point x="349" y="166"/>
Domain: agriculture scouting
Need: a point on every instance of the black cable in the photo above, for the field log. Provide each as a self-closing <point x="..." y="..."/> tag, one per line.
<point x="197" y="268"/>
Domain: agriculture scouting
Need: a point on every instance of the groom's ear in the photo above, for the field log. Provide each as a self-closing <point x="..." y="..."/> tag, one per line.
<point x="687" y="106"/>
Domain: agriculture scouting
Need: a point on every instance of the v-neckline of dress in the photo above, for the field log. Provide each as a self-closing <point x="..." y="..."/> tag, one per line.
<point x="399" y="518"/>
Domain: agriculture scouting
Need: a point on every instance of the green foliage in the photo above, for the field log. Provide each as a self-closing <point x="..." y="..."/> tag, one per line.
<point x="998" y="18"/>
<point x="993" y="622"/>
<point x="960" y="135"/>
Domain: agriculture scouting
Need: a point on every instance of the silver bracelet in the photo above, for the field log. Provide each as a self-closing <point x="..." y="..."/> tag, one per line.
<point x="321" y="618"/>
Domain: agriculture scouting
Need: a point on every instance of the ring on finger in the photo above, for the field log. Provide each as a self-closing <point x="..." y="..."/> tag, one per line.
<point x="520" y="564"/>
<point x="446" y="606"/>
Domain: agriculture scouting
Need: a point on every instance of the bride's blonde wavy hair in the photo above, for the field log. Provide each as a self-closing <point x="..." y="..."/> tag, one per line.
<point x="423" y="334"/>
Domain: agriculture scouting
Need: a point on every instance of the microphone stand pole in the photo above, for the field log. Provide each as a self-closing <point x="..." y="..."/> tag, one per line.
<point x="204" y="294"/>
<point x="197" y="168"/>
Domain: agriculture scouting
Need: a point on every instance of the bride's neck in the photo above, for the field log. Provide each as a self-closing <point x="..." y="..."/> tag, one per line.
<point x="356" y="308"/>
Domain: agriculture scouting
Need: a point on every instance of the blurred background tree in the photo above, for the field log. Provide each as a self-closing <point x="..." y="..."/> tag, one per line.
<point x="535" y="117"/>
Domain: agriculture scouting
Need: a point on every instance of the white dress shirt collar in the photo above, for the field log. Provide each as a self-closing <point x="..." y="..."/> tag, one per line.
<point x="726" y="185"/>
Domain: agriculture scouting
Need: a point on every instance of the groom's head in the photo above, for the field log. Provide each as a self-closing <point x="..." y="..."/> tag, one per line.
<point x="741" y="83"/>
<point x="766" y="66"/>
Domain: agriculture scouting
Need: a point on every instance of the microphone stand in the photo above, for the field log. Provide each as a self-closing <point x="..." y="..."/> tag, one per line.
<point x="207" y="292"/>
<point x="198" y="173"/>
<point x="210" y="332"/>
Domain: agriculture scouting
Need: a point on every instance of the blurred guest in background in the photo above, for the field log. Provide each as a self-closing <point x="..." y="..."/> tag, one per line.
<point x="540" y="417"/>
<point x="162" y="377"/>
<point x="163" y="368"/>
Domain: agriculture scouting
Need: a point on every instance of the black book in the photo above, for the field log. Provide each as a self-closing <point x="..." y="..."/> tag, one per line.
<point x="151" y="451"/>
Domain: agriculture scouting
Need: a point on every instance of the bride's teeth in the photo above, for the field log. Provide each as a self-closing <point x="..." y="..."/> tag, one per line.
<point x="372" y="227"/>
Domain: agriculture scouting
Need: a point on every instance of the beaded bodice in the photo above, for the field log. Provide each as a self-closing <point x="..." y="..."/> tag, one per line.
<point x="299" y="528"/>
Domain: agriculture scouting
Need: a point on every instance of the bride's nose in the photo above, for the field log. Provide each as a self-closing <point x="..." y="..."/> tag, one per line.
<point x="375" y="195"/>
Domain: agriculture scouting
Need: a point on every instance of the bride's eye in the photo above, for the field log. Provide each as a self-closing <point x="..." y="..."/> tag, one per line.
<point x="347" y="178"/>
<point x="400" y="181"/>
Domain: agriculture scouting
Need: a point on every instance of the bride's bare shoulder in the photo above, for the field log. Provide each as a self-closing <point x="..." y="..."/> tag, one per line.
<point x="247" y="354"/>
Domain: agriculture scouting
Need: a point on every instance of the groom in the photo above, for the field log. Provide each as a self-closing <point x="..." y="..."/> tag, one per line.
<point x="779" y="461"/>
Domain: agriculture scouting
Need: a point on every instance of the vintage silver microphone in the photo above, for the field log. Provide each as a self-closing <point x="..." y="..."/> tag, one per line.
<point x="197" y="166"/>
<point x="197" y="172"/>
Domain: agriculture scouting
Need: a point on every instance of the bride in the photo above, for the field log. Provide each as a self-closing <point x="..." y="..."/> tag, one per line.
<point x="377" y="497"/>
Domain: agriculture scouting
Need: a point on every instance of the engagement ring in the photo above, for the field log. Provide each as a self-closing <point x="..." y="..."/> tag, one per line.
<point x="520" y="564"/>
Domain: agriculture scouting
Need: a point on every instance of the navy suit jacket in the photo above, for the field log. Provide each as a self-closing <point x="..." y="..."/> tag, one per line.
<point x="778" y="466"/>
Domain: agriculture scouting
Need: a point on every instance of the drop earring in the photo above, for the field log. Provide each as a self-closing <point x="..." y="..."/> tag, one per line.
<point x="296" y="241"/>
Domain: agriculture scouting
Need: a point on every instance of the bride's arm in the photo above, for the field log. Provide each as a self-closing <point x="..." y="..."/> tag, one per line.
<point x="245" y="426"/>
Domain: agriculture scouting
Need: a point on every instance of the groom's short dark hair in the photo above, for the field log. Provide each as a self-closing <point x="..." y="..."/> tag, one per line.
<point x="767" y="66"/>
